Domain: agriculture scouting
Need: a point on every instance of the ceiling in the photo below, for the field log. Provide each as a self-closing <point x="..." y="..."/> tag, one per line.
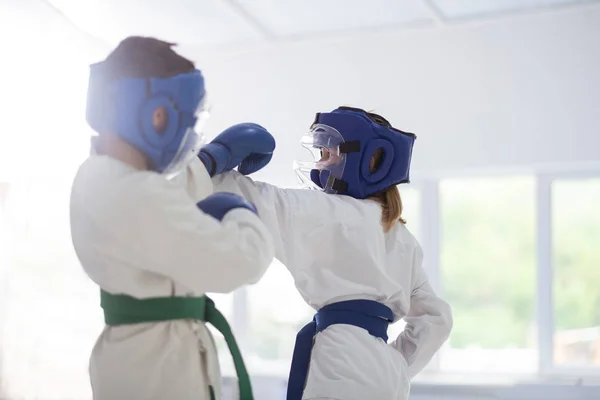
<point x="228" y="22"/>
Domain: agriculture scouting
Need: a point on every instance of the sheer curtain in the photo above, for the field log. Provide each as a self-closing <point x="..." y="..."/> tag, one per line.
<point x="49" y="310"/>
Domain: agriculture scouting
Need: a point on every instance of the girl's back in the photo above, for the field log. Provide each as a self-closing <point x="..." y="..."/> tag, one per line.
<point x="348" y="256"/>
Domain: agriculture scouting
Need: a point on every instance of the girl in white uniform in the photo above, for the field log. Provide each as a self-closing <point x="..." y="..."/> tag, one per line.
<point x="156" y="244"/>
<point x="353" y="260"/>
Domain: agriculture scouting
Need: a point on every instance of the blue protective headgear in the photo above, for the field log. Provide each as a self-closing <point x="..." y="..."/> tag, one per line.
<point x="125" y="107"/>
<point x="343" y="143"/>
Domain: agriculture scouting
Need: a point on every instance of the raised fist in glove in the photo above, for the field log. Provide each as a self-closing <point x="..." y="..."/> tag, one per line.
<point x="247" y="146"/>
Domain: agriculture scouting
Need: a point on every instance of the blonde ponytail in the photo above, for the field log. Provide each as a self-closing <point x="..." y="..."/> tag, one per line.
<point x="389" y="199"/>
<point x="391" y="207"/>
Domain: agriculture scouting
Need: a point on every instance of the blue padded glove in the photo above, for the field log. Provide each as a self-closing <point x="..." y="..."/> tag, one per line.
<point x="219" y="204"/>
<point x="247" y="146"/>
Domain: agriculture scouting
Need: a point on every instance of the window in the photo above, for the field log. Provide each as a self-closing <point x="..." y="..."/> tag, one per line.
<point x="276" y="313"/>
<point x="487" y="264"/>
<point x="488" y="236"/>
<point x="576" y="273"/>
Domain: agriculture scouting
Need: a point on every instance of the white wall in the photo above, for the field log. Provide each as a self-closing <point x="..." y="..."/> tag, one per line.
<point x="43" y="78"/>
<point x="503" y="93"/>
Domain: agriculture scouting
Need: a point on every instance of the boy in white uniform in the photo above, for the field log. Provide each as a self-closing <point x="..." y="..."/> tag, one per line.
<point x="149" y="231"/>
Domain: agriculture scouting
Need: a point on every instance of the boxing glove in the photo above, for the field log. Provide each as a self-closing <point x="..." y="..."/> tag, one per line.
<point x="220" y="203"/>
<point x="247" y="146"/>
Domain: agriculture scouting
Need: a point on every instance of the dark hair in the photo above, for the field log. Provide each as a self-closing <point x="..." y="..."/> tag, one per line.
<point x="146" y="57"/>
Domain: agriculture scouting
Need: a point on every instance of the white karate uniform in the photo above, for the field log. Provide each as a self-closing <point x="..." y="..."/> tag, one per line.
<point x="138" y="234"/>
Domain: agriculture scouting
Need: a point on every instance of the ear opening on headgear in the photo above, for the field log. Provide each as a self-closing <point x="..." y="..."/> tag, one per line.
<point x="160" y="119"/>
<point x="158" y="138"/>
<point x="383" y="165"/>
<point x="376" y="159"/>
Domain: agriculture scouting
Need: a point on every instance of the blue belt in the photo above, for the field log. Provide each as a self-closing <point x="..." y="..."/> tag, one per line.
<point x="367" y="314"/>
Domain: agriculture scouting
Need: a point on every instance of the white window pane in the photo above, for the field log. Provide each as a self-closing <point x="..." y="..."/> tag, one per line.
<point x="224" y="303"/>
<point x="277" y="312"/>
<point x="576" y="260"/>
<point x="488" y="273"/>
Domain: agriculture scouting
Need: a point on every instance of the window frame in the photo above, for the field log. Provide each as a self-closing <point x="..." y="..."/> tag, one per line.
<point x="545" y="265"/>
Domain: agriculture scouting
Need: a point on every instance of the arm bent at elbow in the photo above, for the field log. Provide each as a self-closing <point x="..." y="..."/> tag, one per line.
<point x="428" y="326"/>
<point x="273" y="205"/>
<point x="177" y="239"/>
<point x="254" y="251"/>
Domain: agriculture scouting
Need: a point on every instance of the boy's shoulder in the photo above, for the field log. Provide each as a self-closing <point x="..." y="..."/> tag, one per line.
<point x="100" y="173"/>
<point x="102" y="182"/>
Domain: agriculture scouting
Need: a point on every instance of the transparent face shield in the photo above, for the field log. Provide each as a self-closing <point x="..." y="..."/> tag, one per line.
<point x="326" y="163"/>
<point x="193" y="139"/>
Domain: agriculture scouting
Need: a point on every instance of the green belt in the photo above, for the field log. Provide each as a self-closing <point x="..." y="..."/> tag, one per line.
<point x="126" y="310"/>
